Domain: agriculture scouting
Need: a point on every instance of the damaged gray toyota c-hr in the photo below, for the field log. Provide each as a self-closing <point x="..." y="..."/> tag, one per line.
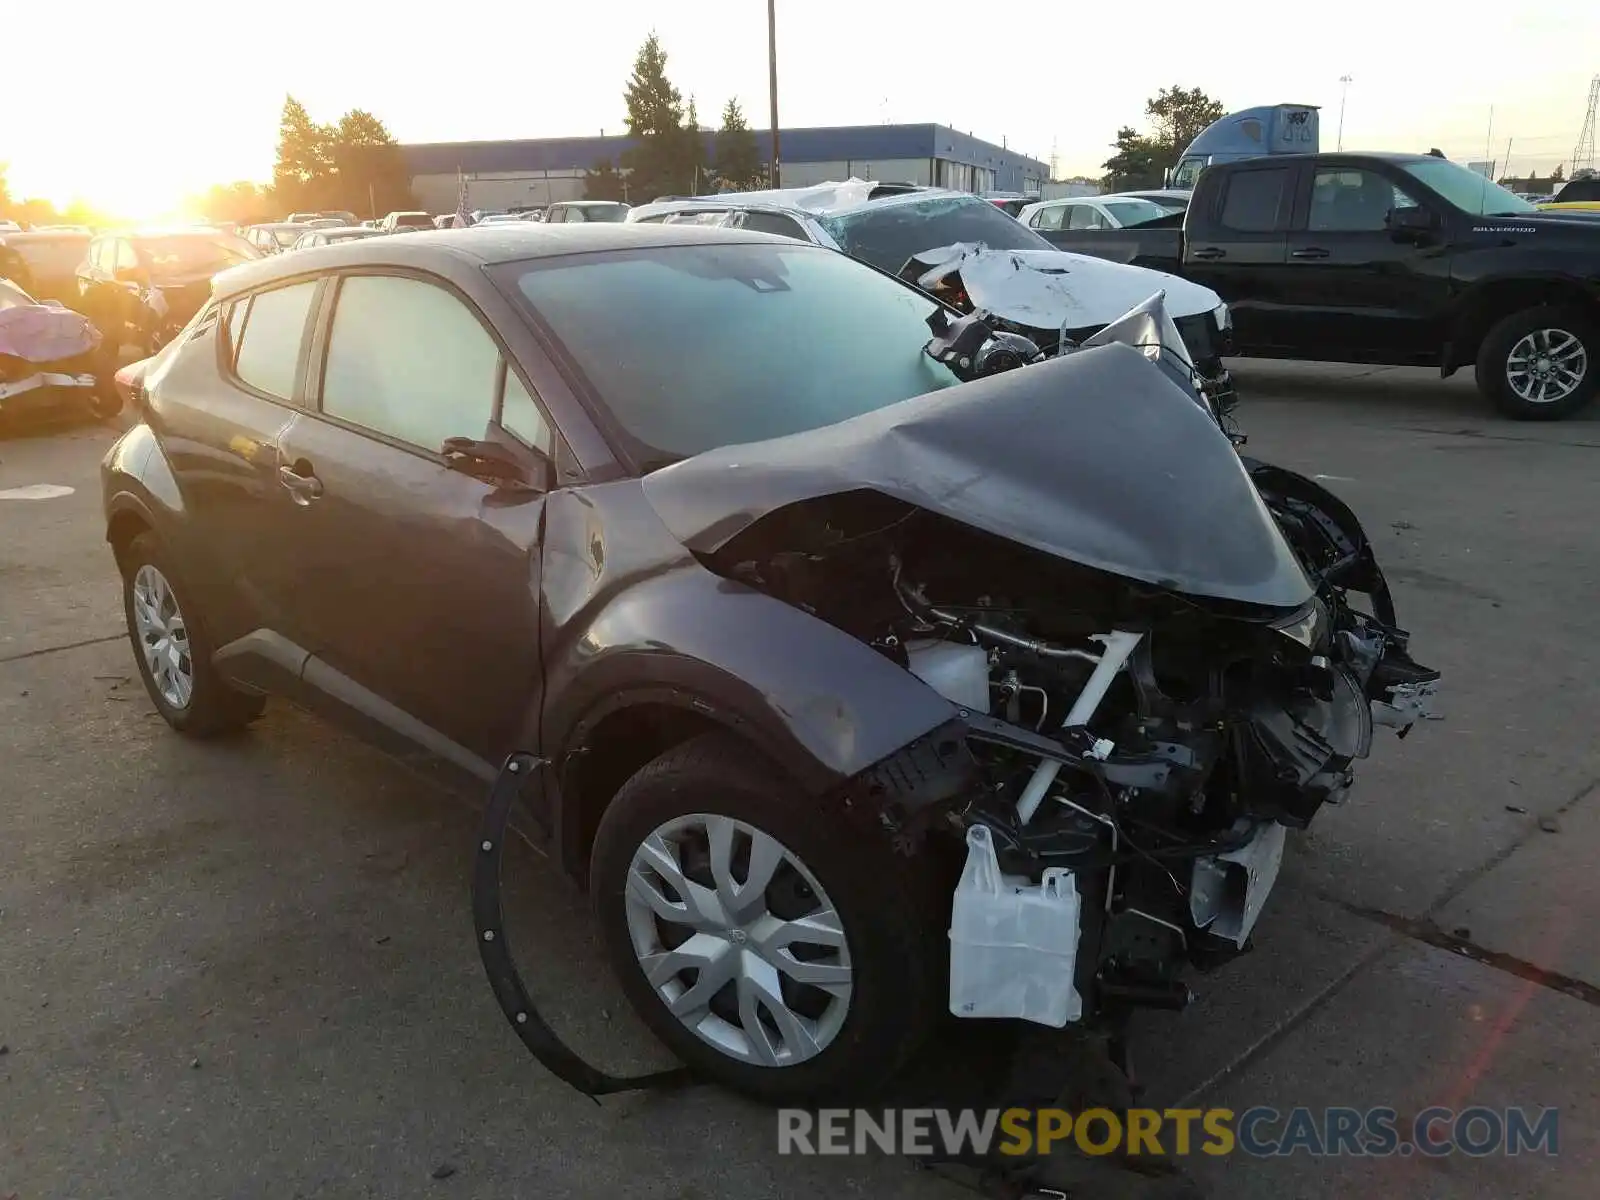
<point x="878" y="666"/>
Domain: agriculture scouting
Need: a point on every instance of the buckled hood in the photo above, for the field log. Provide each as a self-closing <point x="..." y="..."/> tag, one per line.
<point x="1096" y="458"/>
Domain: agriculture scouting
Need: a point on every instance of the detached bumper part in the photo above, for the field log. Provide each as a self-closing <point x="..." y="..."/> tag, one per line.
<point x="1013" y="945"/>
<point x="44" y="379"/>
<point x="488" y="917"/>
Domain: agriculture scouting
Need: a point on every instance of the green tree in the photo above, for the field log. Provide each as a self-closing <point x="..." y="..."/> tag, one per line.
<point x="5" y="192"/>
<point x="656" y="162"/>
<point x="601" y="182"/>
<point x="369" y="171"/>
<point x="1178" y="115"/>
<point x="243" y="203"/>
<point x="305" y="158"/>
<point x="738" y="161"/>
<point x="1134" y="165"/>
<point x="1559" y="175"/>
<point x="694" y="151"/>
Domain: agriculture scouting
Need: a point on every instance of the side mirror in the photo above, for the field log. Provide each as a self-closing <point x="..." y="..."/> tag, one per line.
<point x="497" y="464"/>
<point x="1408" y="224"/>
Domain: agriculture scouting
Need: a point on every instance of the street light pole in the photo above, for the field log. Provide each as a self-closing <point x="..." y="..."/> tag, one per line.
<point x="1344" y="91"/>
<point x="772" y="84"/>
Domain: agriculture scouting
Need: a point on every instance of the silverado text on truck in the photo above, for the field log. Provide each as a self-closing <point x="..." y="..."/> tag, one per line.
<point x="1389" y="258"/>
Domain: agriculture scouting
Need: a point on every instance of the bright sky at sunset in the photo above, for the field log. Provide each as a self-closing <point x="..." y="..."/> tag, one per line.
<point x="183" y="95"/>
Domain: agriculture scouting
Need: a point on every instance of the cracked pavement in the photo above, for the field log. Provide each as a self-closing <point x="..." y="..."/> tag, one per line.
<point x="245" y="968"/>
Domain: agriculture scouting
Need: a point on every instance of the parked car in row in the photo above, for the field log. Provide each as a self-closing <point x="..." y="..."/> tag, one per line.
<point x="1091" y="212"/>
<point x="397" y="222"/>
<point x="44" y="263"/>
<point x="48" y="357"/>
<point x="796" y="613"/>
<point x="586" y="210"/>
<point x="333" y="236"/>
<point x="276" y="236"/>
<point x="1575" y="196"/>
<point x="140" y="288"/>
<point x="1403" y="259"/>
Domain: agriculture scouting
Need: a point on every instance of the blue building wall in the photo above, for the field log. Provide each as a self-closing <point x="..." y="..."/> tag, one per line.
<point x="817" y="144"/>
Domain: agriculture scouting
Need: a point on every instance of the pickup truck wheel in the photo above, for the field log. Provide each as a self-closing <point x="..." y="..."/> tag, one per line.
<point x="771" y="950"/>
<point x="1541" y="364"/>
<point x="172" y="649"/>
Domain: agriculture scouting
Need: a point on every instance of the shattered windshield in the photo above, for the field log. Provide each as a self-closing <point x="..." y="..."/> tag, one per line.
<point x="1474" y="194"/>
<point x="697" y="346"/>
<point x="886" y="235"/>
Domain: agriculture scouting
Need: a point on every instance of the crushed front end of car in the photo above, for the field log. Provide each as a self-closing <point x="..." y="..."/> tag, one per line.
<point x="1152" y="651"/>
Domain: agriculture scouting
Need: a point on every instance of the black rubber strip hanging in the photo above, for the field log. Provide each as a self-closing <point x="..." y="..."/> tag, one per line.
<point x="488" y="917"/>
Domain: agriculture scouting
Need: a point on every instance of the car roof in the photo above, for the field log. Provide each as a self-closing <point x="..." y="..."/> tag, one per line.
<point x="477" y="246"/>
<point x="825" y="199"/>
<point x="283" y="225"/>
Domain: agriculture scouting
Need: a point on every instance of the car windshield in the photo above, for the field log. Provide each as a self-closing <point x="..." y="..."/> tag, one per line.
<point x="605" y="212"/>
<point x="169" y="256"/>
<point x="287" y="237"/>
<point x="698" y="346"/>
<point x="888" y="234"/>
<point x="1135" y="212"/>
<point x="1472" y="193"/>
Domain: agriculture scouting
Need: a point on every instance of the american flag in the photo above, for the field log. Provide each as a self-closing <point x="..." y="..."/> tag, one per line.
<point x="463" y="218"/>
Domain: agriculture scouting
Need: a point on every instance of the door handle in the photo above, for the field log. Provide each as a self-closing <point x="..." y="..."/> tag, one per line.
<point x="1207" y="252"/>
<point x="1309" y="252"/>
<point x="303" y="489"/>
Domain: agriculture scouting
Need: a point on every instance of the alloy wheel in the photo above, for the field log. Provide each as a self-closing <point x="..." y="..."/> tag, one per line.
<point x="739" y="940"/>
<point x="1546" y="366"/>
<point x="163" y="636"/>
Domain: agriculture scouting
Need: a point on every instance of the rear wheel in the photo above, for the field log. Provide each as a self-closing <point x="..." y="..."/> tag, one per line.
<point x="172" y="649"/>
<point x="771" y="950"/>
<point x="1541" y="364"/>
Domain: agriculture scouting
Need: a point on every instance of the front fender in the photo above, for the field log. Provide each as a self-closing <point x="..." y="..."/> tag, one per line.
<point x="1324" y="532"/>
<point x="631" y="616"/>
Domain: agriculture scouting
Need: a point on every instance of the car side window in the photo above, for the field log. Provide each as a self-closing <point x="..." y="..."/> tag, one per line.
<point x="1353" y="201"/>
<point x="1084" y="216"/>
<point x="409" y="360"/>
<point x="763" y="222"/>
<point x="1050" y="218"/>
<point x="1253" y="200"/>
<point x="520" y="414"/>
<point x="234" y="320"/>
<point x="125" y="259"/>
<point x="574" y="214"/>
<point x="267" y="339"/>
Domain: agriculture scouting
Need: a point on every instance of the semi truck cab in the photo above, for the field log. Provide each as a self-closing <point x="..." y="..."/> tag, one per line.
<point x="1249" y="133"/>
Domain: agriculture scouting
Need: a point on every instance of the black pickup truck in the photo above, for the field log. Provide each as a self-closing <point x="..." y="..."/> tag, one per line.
<point x="1388" y="258"/>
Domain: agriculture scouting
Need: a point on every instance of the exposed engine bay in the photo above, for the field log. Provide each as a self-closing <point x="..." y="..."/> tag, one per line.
<point x="1144" y="748"/>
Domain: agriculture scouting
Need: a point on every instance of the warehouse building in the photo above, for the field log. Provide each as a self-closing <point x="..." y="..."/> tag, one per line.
<point x="501" y="175"/>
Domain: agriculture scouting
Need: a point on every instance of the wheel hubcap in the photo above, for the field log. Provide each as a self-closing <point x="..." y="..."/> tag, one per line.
<point x="739" y="940"/>
<point x="163" y="636"/>
<point x="1547" y="365"/>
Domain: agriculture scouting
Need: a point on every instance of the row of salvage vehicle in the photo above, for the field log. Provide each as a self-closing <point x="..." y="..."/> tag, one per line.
<point x="870" y="633"/>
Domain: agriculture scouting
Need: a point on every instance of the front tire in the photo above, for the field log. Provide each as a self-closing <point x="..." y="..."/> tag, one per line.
<point x="771" y="949"/>
<point x="172" y="649"/>
<point x="1541" y="364"/>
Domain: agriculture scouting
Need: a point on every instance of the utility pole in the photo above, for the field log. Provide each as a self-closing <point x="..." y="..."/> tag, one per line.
<point x="772" y="84"/>
<point x="1344" y="91"/>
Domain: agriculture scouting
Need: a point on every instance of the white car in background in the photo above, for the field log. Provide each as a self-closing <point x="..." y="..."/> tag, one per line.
<point x="928" y="235"/>
<point x="1094" y="212"/>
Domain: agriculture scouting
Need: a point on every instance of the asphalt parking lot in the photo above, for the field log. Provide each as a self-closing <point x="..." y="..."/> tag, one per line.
<point x="246" y="968"/>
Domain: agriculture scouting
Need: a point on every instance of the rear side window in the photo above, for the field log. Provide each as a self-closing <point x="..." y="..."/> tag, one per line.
<point x="268" y="335"/>
<point x="775" y="223"/>
<point x="1253" y="200"/>
<point x="409" y="360"/>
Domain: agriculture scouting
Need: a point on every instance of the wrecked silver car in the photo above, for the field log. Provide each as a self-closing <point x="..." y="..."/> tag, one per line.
<point x="859" y="671"/>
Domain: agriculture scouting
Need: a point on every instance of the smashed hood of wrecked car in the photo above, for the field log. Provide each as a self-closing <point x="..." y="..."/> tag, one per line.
<point x="1054" y="289"/>
<point x="1096" y="458"/>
